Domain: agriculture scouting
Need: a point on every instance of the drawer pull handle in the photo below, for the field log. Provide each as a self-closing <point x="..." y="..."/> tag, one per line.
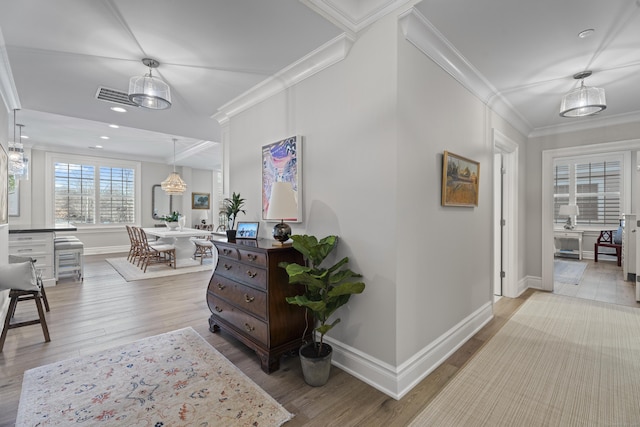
<point x="252" y="257"/>
<point x="248" y="299"/>
<point x="228" y="267"/>
<point x="25" y="250"/>
<point x="221" y="286"/>
<point x="218" y="309"/>
<point x="25" y="238"/>
<point x="251" y="274"/>
<point x="249" y="328"/>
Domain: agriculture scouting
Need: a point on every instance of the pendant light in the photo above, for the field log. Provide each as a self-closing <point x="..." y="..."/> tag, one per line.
<point x="148" y="91"/>
<point x="174" y="185"/>
<point x="16" y="152"/>
<point x="583" y="100"/>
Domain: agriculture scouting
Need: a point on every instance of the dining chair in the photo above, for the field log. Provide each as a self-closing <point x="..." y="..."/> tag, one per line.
<point x="155" y="254"/>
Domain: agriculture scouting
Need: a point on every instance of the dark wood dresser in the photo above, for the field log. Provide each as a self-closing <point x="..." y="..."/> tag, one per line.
<point x="246" y="296"/>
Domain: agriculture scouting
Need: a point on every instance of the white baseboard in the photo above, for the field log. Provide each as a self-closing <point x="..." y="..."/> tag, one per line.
<point x="398" y="381"/>
<point x="534" y="282"/>
<point x="104" y="250"/>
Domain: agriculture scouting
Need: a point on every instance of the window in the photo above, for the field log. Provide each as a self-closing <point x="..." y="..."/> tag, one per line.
<point x="93" y="191"/>
<point x="594" y="184"/>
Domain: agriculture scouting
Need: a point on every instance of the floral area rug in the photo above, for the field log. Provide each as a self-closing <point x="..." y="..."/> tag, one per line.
<point x="173" y="379"/>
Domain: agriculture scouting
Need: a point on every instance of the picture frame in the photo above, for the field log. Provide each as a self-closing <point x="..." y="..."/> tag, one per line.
<point x="282" y="161"/>
<point x="460" y="180"/>
<point x="247" y="230"/>
<point x="4" y="186"/>
<point x="200" y="200"/>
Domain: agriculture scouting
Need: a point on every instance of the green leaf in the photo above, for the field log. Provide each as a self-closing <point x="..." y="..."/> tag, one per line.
<point x="347" y="288"/>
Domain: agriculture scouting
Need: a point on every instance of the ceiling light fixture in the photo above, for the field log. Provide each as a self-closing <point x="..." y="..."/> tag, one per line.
<point x="118" y="109"/>
<point x="16" y="151"/>
<point x="583" y="100"/>
<point x="148" y="91"/>
<point x="174" y="185"/>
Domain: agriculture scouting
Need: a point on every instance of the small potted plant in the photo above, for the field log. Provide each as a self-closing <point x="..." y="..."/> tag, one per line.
<point x="171" y="221"/>
<point x="231" y="207"/>
<point x="326" y="290"/>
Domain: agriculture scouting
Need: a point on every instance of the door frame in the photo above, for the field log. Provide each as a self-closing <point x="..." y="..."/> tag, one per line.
<point x="507" y="242"/>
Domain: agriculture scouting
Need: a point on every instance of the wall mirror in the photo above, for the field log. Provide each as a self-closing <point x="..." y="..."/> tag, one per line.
<point x="161" y="202"/>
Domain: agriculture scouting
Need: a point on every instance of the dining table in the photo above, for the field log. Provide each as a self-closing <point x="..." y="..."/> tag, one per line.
<point x="182" y="240"/>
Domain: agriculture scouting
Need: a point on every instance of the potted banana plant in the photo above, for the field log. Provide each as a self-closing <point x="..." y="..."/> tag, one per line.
<point x="325" y="290"/>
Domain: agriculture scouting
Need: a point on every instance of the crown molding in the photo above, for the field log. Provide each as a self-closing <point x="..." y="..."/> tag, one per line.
<point x="325" y="56"/>
<point x="426" y="37"/>
<point x="587" y="123"/>
<point x="8" y="90"/>
<point x="354" y="15"/>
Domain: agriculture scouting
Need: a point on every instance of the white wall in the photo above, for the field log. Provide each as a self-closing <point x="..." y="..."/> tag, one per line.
<point x="4" y="229"/>
<point x="375" y="126"/>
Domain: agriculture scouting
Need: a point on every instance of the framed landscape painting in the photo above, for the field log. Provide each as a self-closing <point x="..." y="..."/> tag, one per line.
<point x="200" y="200"/>
<point x="282" y="161"/>
<point x="460" y="180"/>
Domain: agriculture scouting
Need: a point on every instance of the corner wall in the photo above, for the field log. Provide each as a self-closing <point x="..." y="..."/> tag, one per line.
<point x="374" y="127"/>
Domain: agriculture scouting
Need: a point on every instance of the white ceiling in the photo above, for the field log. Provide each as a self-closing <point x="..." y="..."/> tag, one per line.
<point x="211" y="51"/>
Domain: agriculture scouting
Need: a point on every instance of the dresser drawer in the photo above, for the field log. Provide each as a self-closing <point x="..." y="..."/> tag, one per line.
<point x="251" y="326"/>
<point x="248" y="274"/>
<point x="226" y="252"/>
<point x="242" y="296"/>
<point x="250" y="257"/>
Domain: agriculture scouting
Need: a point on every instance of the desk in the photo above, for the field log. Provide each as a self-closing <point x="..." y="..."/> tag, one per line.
<point x="181" y="239"/>
<point x="569" y="234"/>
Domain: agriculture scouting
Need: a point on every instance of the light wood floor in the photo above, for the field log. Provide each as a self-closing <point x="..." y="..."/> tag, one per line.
<point x="105" y="311"/>
<point x="601" y="281"/>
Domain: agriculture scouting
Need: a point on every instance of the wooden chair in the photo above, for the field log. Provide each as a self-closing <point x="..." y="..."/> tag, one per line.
<point x="17" y="295"/>
<point x="606" y="240"/>
<point x="133" y="242"/>
<point x="155" y="254"/>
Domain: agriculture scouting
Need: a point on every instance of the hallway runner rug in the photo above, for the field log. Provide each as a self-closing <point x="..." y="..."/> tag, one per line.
<point x="559" y="361"/>
<point x="173" y="379"/>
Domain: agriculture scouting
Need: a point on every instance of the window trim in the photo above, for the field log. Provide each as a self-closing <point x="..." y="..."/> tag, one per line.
<point x="52" y="158"/>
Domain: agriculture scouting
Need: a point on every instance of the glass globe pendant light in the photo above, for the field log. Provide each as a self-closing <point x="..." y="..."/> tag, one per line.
<point x="16" y="152"/>
<point x="174" y="185"/>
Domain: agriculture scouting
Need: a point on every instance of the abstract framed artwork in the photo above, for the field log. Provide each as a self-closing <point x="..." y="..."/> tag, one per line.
<point x="460" y="180"/>
<point x="200" y="200"/>
<point x="4" y="187"/>
<point x="282" y="161"/>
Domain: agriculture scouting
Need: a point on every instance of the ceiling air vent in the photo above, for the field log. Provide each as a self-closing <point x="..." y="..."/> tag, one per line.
<point x="115" y="96"/>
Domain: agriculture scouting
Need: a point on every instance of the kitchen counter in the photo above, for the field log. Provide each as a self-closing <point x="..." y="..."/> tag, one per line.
<point x="39" y="228"/>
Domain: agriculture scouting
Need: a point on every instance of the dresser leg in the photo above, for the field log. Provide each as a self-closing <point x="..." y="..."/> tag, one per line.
<point x="267" y="363"/>
<point x="213" y="327"/>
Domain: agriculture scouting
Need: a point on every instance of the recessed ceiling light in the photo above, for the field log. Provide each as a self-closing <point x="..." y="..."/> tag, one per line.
<point x="96" y="147"/>
<point x="104" y="137"/>
<point x="118" y="109"/>
<point x="586" y="33"/>
<point x="114" y="126"/>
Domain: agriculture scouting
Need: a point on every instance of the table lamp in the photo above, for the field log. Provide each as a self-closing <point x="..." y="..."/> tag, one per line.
<point x="569" y="211"/>
<point x="204" y="216"/>
<point x="282" y="205"/>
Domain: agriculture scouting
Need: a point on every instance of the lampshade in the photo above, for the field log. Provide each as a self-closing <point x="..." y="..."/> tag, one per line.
<point x="569" y="210"/>
<point x="204" y="216"/>
<point x="148" y="91"/>
<point x="282" y="204"/>
<point x="174" y="185"/>
<point x="583" y="100"/>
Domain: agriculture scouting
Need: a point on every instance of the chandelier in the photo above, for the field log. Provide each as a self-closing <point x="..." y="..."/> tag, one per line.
<point x="16" y="152"/>
<point x="174" y="185"/>
<point x="148" y="91"/>
<point x="583" y="100"/>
